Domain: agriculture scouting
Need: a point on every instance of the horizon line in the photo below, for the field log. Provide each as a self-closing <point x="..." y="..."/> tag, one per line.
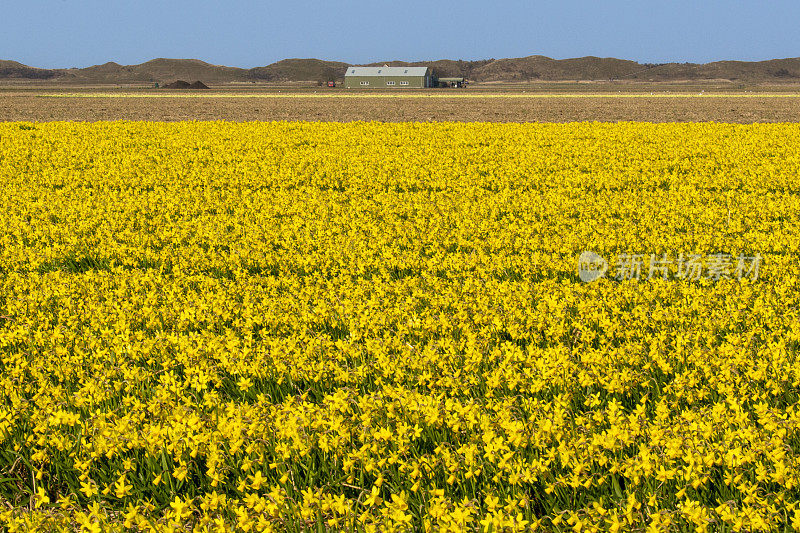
<point x="400" y="60"/>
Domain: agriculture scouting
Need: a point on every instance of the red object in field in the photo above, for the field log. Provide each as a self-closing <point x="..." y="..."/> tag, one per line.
<point x="331" y="84"/>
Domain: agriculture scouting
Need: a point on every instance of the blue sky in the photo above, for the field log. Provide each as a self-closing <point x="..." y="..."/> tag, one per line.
<point x="72" y="33"/>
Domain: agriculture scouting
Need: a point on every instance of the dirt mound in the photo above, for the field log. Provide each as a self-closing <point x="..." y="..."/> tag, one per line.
<point x="180" y="84"/>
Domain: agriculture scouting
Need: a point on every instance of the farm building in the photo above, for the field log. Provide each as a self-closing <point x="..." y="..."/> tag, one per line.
<point x="389" y="77"/>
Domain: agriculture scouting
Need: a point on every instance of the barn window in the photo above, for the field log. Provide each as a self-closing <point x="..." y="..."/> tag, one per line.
<point x="403" y="83"/>
<point x="391" y="83"/>
<point x="364" y="83"/>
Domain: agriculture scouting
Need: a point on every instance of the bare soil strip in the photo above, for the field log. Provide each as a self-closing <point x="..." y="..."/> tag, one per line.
<point x="30" y="107"/>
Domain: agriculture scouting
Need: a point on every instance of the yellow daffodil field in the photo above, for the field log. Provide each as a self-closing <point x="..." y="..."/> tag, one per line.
<point x="298" y="326"/>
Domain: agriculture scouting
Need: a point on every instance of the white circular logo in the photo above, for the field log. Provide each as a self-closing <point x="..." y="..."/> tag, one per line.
<point x="591" y="266"/>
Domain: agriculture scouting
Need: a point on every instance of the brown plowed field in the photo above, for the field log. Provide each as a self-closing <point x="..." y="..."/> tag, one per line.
<point x="30" y="107"/>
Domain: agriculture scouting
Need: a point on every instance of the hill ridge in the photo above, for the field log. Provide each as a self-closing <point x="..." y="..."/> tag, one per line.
<point x="528" y="68"/>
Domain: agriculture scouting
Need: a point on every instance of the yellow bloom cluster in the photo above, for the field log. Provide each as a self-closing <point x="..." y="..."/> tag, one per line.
<point x="380" y="327"/>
